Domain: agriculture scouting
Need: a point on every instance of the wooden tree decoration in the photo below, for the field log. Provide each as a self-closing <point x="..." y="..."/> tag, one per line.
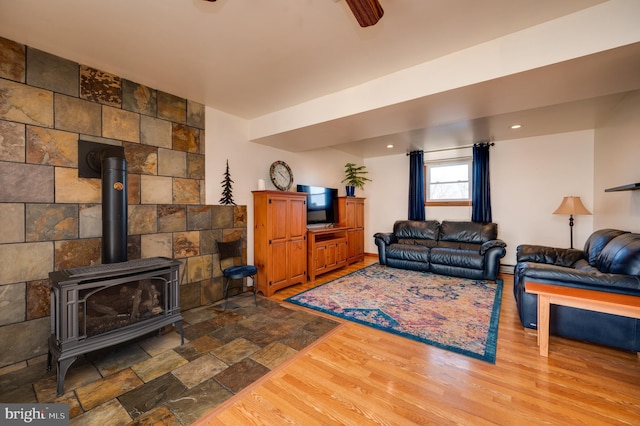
<point x="227" y="191"/>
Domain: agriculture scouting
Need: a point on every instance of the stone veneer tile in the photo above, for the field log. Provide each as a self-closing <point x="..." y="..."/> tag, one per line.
<point x="172" y="163"/>
<point x="153" y="245"/>
<point x="12" y="141"/>
<point x="240" y="216"/>
<point x="158" y="365"/>
<point x="190" y="295"/>
<point x="12" y="223"/>
<point x="133" y="188"/>
<point x="118" y="358"/>
<point x="155" y="132"/>
<point x="120" y="124"/>
<point x="158" y="416"/>
<point x="236" y="350"/>
<point x="198" y="401"/>
<point x="199" y="370"/>
<point x="105" y="389"/>
<point x="111" y="410"/>
<point x="26" y="104"/>
<point x="156" y="190"/>
<point x="186" y="138"/>
<point x="172" y="218"/>
<point x="141" y="159"/>
<point x="186" y="191"/>
<point x="208" y="239"/>
<point x="139" y="98"/>
<point x="134" y="247"/>
<point x="195" y="114"/>
<point x="72" y="189"/>
<point x="77" y="115"/>
<point x="52" y="147"/>
<point x="12" y="303"/>
<point x="199" y="268"/>
<point x="26" y="183"/>
<point x="143" y="219"/>
<point x="75" y="253"/>
<point x="90" y="225"/>
<point x="99" y="86"/>
<point x="12" y="60"/>
<point x="186" y="244"/>
<point x="195" y="166"/>
<point x="38" y="299"/>
<point x="22" y="266"/>
<point x="52" y="72"/>
<point x="273" y="355"/>
<point x="211" y="290"/>
<point x="233" y="234"/>
<point x="47" y="222"/>
<point x="199" y="217"/>
<point x="155" y="393"/>
<point x="16" y="350"/>
<point x="241" y="375"/>
<point x="172" y="107"/>
<point x="222" y="217"/>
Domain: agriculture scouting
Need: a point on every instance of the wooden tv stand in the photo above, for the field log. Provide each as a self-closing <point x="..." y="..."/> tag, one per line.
<point x="326" y="250"/>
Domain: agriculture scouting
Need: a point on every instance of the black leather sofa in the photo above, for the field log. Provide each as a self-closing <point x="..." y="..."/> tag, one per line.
<point x="610" y="262"/>
<point x="461" y="249"/>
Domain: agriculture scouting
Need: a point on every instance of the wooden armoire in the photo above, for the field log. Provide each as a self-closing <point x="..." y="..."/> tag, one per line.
<point x="351" y="215"/>
<point x="280" y="239"/>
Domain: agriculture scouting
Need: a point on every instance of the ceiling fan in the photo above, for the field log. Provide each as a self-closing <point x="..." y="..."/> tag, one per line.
<point x="367" y="12"/>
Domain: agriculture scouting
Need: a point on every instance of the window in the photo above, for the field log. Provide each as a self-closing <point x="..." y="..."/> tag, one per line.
<point x="448" y="182"/>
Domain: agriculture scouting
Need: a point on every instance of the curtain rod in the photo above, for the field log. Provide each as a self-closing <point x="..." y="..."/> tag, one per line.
<point x="454" y="148"/>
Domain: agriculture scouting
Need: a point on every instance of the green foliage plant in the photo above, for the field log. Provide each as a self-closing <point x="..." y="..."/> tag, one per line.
<point x="355" y="175"/>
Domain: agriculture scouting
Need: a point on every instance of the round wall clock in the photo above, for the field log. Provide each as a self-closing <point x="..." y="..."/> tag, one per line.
<point x="281" y="175"/>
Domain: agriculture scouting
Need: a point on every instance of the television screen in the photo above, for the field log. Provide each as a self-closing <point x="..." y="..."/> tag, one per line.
<point x="321" y="203"/>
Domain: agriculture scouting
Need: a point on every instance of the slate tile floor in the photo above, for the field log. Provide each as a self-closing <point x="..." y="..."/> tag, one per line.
<point x="155" y="380"/>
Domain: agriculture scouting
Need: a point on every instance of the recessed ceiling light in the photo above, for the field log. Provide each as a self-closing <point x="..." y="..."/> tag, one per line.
<point x="390" y="146"/>
<point x="516" y="126"/>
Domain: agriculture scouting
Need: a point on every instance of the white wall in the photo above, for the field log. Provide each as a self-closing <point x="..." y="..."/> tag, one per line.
<point x="529" y="177"/>
<point x="617" y="150"/>
<point x="226" y="138"/>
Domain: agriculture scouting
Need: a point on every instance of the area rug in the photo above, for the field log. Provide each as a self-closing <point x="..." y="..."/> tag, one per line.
<point x="456" y="314"/>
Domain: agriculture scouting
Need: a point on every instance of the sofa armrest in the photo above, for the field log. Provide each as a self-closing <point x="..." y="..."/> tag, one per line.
<point x="590" y="279"/>
<point x="385" y="237"/>
<point x="548" y="255"/>
<point x="491" y="244"/>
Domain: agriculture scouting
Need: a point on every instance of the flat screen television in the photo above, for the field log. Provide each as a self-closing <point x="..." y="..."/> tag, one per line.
<point x="322" y="204"/>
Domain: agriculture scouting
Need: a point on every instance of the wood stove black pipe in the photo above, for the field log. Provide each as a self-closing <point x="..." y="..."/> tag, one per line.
<point x="114" y="206"/>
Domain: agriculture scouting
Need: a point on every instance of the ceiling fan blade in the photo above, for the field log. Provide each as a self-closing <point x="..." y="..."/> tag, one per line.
<point x="367" y="12"/>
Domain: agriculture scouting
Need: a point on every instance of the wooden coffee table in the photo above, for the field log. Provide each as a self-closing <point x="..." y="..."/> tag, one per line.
<point x="599" y="301"/>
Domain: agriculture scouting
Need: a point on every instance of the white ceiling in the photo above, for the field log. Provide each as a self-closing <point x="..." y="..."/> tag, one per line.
<point x="251" y="58"/>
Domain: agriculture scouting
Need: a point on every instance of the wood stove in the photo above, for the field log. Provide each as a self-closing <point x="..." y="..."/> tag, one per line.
<point x="99" y="306"/>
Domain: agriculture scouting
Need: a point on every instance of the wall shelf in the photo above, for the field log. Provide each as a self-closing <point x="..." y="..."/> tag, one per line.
<point x="630" y="187"/>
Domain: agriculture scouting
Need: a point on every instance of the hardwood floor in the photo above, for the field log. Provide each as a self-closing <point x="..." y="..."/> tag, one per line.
<point x="362" y="376"/>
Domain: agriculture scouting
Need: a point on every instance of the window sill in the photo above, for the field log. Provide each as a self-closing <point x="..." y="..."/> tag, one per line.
<point x="447" y="203"/>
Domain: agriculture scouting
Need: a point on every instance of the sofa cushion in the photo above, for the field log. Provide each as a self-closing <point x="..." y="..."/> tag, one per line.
<point x="468" y="232"/>
<point x="621" y="255"/>
<point x="412" y="230"/>
<point x="597" y="241"/>
<point x="411" y="252"/>
<point x="457" y="258"/>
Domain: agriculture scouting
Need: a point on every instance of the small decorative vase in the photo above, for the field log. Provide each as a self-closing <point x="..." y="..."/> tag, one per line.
<point x="351" y="191"/>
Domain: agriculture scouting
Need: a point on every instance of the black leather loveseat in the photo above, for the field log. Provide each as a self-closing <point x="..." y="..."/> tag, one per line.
<point x="462" y="249"/>
<point x="610" y="262"/>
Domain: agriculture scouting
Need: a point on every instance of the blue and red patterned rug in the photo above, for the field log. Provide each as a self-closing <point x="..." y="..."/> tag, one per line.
<point x="457" y="314"/>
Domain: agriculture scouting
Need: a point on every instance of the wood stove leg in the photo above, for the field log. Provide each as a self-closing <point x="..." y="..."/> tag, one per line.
<point x="49" y="361"/>
<point x="62" y="367"/>
<point x="178" y="325"/>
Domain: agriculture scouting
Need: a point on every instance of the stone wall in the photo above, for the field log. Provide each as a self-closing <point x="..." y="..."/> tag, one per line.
<point x="50" y="219"/>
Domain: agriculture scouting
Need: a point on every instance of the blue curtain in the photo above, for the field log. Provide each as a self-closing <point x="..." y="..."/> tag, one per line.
<point x="481" y="194"/>
<point x="416" y="185"/>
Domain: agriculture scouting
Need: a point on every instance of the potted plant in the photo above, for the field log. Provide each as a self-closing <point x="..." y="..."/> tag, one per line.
<point x="354" y="177"/>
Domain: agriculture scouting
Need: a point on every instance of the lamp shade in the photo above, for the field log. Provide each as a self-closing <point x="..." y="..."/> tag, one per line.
<point x="573" y="206"/>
